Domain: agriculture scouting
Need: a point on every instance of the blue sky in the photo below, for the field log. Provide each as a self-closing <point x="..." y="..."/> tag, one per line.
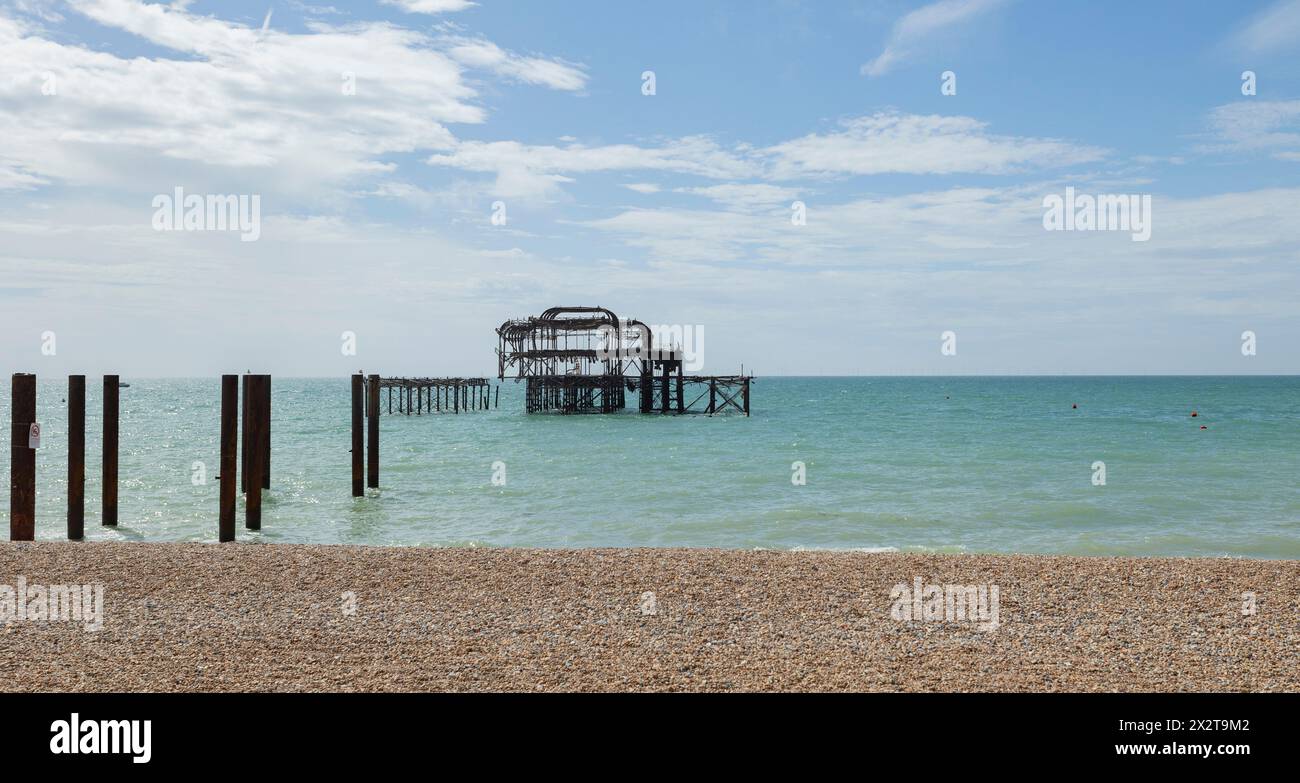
<point x="924" y="210"/>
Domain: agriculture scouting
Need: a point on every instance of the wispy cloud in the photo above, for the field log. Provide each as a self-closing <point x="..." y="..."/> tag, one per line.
<point x="483" y="54"/>
<point x="911" y="31"/>
<point x="894" y="143"/>
<point x="1255" y="125"/>
<point x="527" y="170"/>
<point x="882" y="143"/>
<point x="1275" y="28"/>
<point x="430" y="6"/>
<point x="746" y="196"/>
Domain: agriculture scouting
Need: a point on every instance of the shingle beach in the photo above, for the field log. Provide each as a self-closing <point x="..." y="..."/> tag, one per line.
<point x="269" y="617"/>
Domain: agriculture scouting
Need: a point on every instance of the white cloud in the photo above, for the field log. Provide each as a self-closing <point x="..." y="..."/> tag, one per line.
<point x="430" y="6"/>
<point x="1255" y="125"/>
<point x="888" y="142"/>
<point x="536" y="170"/>
<point x="483" y="54"/>
<point x="884" y="143"/>
<point x="1274" y="28"/>
<point x="643" y="187"/>
<point x="746" y="196"/>
<point x="912" y="29"/>
<point x="236" y="100"/>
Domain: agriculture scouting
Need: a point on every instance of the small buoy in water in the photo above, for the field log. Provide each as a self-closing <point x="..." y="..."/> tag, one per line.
<point x="1204" y="427"/>
<point x="1075" y="406"/>
<point x="1195" y="414"/>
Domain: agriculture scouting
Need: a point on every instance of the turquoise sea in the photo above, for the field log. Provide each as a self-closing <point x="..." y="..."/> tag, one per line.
<point x="955" y="464"/>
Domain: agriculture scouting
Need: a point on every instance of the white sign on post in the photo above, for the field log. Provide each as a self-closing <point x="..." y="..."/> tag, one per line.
<point x="34" y="436"/>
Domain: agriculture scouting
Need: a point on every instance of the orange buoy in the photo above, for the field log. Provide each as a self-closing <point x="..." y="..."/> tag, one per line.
<point x="1195" y="414"/>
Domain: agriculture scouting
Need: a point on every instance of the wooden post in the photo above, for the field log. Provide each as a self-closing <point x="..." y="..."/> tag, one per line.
<point x="713" y="395"/>
<point x="372" y="436"/>
<point x="457" y="395"/>
<point x="496" y="404"/>
<point x="22" y="462"/>
<point x="266" y="431"/>
<point x="229" y="456"/>
<point x="76" y="457"/>
<point x="256" y="426"/>
<point x="111" y="411"/>
<point x="745" y="395"/>
<point x="247" y="420"/>
<point x="358" y="441"/>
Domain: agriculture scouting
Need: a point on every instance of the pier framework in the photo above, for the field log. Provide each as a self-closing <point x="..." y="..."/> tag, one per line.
<point x="588" y="360"/>
<point x="433" y="395"/>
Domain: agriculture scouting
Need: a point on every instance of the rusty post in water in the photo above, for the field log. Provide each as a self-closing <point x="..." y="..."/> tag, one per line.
<point x="111" y="410"/>
<point x="76" y="457"/>
<point x="229" y="456"/>
<point x="22" y="462"/>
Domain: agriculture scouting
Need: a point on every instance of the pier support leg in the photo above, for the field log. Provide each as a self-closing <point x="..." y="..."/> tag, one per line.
<point x="244" y="445"/>
<point x="22" y="462"/>
<point x="663" y="401"/>
<point x="229" y="456"/>
<point x="358" y="441"/>
<point x="76" y="457"/>
<point x="256" y="468"/>
<point x="681" y="401"/>
<point x="111" y="411"/>
<point x="266" y="431"/>
<point x="372" y="437"/>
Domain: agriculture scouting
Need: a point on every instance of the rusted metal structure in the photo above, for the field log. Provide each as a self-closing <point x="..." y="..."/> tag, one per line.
<point x="433" y="395"/>
<point x="587" y="360"/>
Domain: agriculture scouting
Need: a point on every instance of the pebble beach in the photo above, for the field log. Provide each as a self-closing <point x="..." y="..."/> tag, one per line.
<point x="278" y="617"/>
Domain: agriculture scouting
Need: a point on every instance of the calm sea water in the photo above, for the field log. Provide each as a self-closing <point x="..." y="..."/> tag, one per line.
<point x="913" y="464"/>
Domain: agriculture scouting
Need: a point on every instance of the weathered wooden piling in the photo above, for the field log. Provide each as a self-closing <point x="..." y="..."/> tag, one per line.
<point x="358" y="441"/>
<point x="256" y="459"/>
<point x="245" y="445"/>
<point x="112" y="409"/>
<point x="229" y="456"/>
<point x="22" y="459"/>
<point x="266" y="431"/>
<point x="76" y="457"/>
<point x="372" y="435"/>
